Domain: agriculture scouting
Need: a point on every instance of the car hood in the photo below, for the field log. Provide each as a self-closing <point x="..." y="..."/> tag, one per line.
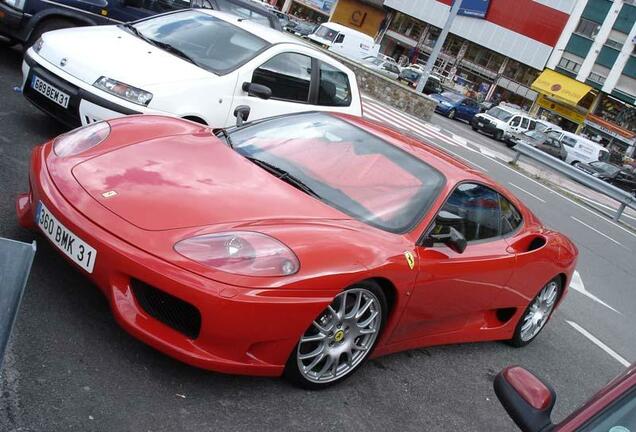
<point x="191" y="180"/>
<point x="93" y="52"/>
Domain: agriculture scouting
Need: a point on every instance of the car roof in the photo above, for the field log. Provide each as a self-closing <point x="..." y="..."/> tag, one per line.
<point x="268" y="34"/>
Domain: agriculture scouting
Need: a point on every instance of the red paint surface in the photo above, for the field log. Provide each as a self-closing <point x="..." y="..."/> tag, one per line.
<point x="169" y="189"/>
<point x="527" y="17"/>
<point x="529" y="387"/>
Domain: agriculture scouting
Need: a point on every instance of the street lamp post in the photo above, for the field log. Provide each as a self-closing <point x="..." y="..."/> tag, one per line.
<point x="438" y="46"/>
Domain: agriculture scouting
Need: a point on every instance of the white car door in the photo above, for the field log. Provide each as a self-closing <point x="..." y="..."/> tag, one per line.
<point x="299" y="81"/>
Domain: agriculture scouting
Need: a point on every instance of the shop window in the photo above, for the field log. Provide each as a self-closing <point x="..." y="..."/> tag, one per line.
<point x="288" y="75"/>
<point x="587" y="28"/>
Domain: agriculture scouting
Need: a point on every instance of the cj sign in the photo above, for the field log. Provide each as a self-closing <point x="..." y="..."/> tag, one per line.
<point x="474" y="8"/>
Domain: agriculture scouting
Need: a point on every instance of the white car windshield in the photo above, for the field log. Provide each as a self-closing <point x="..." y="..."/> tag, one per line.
<point x="202" y="39"/>
<point x="326" y="33"/>
<point x="498" y="113"/>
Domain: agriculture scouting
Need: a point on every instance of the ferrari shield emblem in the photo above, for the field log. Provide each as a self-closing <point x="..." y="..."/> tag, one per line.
<point x="410" y="259"/>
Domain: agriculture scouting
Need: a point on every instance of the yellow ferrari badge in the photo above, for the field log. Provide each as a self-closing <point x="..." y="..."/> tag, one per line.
<point x="339" y="336"/>
<point x="410" y="259"/>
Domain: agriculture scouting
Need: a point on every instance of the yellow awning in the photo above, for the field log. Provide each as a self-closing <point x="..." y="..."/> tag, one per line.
<point x="560" y="87"/>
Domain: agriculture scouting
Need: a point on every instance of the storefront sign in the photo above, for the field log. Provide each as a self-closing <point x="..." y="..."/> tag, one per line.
<point x="474" y="8"/>
<point x="610" y="129"/>
<point x="560" y="109"/>
<point x="323" y="6"/>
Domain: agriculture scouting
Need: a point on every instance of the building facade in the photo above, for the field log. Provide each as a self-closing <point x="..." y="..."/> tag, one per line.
<point x="495" y="58"/>
<point x="362" y="15"/>
<point x="597" y="49"/>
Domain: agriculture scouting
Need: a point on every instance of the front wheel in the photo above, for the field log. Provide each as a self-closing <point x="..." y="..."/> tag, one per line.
<point x="340" y="339"/>
<point x="498" y="135"/>
<point x="537" y="314"/>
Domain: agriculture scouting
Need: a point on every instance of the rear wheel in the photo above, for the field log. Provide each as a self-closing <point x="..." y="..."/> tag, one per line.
<point x="340" y="339"/>
<point x="451" y="114"/>
<point x="537" y="314"/>
<point x="43" y="27"/>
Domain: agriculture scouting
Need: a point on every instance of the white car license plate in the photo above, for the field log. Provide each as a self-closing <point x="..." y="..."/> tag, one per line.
<point x="71" y="245"/>
<point x="56" y="95"/>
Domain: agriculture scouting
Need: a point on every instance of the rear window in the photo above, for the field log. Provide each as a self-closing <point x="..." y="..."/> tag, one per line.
<point x="350" y="169"/>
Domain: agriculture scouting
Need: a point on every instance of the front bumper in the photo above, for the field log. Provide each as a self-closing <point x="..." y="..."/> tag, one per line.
<point x="486" y="126"/>
<point x="85" y="106"/>
<point x="242" y="330"/>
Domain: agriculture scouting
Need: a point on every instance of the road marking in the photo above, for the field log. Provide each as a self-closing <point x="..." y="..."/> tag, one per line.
<point x="596" y="231"/>
<point x="599" y="344"/>
<point x="577" y="285"/>
<point x="529" y="193"/>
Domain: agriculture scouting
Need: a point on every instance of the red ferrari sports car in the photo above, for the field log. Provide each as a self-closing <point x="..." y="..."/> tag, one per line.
<point x="296" y="245"/>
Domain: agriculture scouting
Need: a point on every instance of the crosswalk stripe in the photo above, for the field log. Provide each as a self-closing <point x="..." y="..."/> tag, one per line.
<point x="412" y="121"/>
<point x="381" y="116"/>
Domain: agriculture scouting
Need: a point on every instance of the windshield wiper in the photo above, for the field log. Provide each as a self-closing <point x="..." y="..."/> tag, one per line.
<point x="173" y="50"/>
<point x="226" y="137"/>
<point x="285" y="176"/>
<point x="137" y="33"/>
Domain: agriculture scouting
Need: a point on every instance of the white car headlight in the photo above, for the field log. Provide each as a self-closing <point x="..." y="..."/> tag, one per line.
<point x="124" y="91"/>
<point x="37" y="46"/>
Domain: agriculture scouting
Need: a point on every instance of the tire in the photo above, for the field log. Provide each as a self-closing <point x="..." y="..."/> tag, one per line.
<point x="451" y="114"/>
<point x="545" y="300"/>
<point x="575" y="163"/>
<point x="45" y="26"/>
<point x="329" y="339"/>
<point x="474" y="128"/>
<point x="498" y="135"/>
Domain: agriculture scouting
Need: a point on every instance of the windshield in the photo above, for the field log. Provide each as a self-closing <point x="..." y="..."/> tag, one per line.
<point x="410" y="74"/>
<point x="454" y="97"/>
<point x="606" y="167"/>
<point x="209" y="42"/>
<point x="498" y="113"/>
<point x="326" y="33"/>
<point x="352" y="170"/>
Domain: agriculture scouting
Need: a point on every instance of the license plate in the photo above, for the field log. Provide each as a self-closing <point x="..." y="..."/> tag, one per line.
<point x="71" y="245"/>
<point x="480" y="124"/>
<point x="52" y="93"/>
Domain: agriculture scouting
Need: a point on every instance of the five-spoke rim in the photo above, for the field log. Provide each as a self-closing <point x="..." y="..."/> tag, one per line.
<point x="341" y="337"/>
<point x="539" y="311"/>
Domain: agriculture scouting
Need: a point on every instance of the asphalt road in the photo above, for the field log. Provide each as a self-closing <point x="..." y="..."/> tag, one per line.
<point x="71" y="368"/>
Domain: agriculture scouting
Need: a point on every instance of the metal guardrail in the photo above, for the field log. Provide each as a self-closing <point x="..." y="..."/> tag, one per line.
<point x="15" y="265"/>
<point x="624" y="198"/>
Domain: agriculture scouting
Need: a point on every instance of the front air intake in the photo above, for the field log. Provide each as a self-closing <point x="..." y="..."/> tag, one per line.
<point x="168" y="309"/>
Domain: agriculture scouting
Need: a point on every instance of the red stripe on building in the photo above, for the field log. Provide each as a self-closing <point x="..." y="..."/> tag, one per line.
<point x="526" y="17"/>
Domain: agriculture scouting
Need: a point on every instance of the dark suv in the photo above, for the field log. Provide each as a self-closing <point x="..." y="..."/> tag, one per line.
<point x="24" y="21"/>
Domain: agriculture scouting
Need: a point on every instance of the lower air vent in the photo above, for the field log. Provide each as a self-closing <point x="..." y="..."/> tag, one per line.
<point x="168" y="309"/>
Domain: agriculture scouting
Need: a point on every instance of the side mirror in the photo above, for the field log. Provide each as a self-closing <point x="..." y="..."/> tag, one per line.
<point x="241" y="112"/>
<point x="527" y="399"/>
<point x="453" y="239"/>
<point x="257" y="90"/>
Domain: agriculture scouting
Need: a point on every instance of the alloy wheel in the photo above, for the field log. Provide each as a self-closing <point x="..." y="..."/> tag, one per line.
<point x="341" y="337"/>
<point x="539" y="311"/>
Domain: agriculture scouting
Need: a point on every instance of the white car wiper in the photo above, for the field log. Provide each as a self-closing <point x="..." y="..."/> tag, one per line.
<point x="173" y="50"/>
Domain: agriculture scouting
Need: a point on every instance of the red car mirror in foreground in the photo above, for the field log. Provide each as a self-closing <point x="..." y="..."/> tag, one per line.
<point x="529" y="402"/>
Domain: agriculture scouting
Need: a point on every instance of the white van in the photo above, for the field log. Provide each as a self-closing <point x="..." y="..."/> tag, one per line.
<point x="580" y="149"/>
<point x="345" y="41"/>
<point x="502" y="122"/>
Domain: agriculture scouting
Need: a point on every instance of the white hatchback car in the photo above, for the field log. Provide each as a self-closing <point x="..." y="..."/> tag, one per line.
<point x="196" y="64"/>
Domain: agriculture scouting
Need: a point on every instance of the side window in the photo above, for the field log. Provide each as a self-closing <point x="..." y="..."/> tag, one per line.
<point x="510" y="216"/>
<point x="516" y="120"/>
<point x="620" y="415"/>
<point x="570" y="142"/>
<point x="525" y="123"/>
<point x="334" y="88"/>
<point x="340" y="38"/>
<point x="533" y="125"/>
<point x="288" y="75"/>
<point x="474" y="212"/>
